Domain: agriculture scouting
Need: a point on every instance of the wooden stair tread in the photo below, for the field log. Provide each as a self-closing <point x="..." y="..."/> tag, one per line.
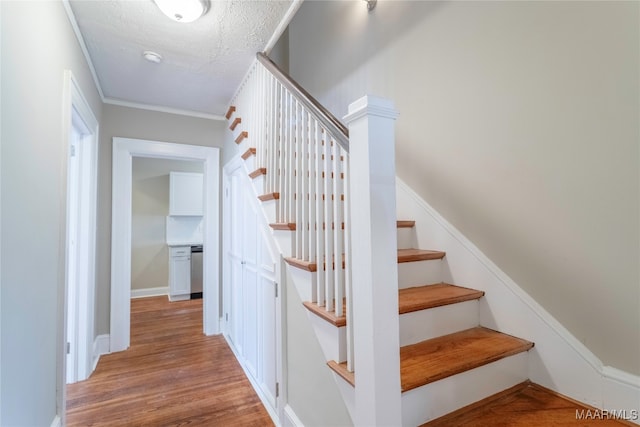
<point x="250" y="152"/>
<point x="341" y="369"/>
<point x="256" y="173"/>
<point x="292" y="225"/>
<point x="329" y="316"/>
<point x="307" y="265"/>
<point x="244" y="134"/>
<point x="441" y="357"/>
<point x="404" y="255"/>
<point x="430" y="296"/>
<point x="523" y="405"/>
<point x="230" y="111"/>
<point x="269" y="196"/>
<point x="411" y="255"/>
<point x="406" y="224"/>
<point x="235" y="123"/>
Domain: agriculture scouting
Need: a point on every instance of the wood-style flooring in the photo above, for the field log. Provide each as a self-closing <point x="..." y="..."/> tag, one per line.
<point x="172" y="375"/>
<point x="527" y="405"/>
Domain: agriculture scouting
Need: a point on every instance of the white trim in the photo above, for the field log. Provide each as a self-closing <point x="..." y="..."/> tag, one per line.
<point x="254" y="384"/>
<point x="149" y="292"/>
<point x="547" y="318"/>
<point x="83" y="310"/>
<point x="621" y="376"/>
<point x="100" y="346"/>
<point x="560" y="361"/>
<point x="291" y="418"/>
<point x="284" y="23"/>
<point x="370" y="105"/>
<point x="83" y="46"/>
<point x="60" y="396"/>
<point x="124" y="149"/>
<point x="57" y="422"/>
<point x="169" y="110"/>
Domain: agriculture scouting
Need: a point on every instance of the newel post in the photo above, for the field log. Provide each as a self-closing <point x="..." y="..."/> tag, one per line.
<point x="374" y="264"/>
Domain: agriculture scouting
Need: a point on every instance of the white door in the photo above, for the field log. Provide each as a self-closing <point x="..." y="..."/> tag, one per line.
<point x="252" y="303"/>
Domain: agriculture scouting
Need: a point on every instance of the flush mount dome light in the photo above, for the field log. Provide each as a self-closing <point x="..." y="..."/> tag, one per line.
<point x="150" y="56"/>
<point x="183" y="10"/>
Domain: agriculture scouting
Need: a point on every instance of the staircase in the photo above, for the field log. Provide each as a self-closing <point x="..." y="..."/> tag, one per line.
<point x="448" y="360"/>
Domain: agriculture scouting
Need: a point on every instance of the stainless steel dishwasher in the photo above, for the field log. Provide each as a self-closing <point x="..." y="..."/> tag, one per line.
<point x="196" y="271"/>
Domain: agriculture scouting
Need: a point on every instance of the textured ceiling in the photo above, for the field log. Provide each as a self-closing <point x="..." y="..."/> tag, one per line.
<point x="204" y="61"/>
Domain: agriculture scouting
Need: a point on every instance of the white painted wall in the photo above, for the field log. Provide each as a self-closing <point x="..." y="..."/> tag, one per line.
<point x="519" y="124"/>
<point x="128" y="122"/>
<point x="150" y="207"/>
<point x="312" y="392"/>
<point x="38" y="45"/>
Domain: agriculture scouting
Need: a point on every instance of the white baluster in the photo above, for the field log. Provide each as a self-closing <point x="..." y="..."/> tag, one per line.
<point x="338" y="207"/>
<point x="319" y="192"/>
<point x="282" y="152"/>
<point x="304" y="177"/>
<point x="328" y="222"/>
<point x="299" y="179"/>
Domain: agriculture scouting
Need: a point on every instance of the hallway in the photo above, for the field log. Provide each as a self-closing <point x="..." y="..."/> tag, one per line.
<point x="171" y="375"/>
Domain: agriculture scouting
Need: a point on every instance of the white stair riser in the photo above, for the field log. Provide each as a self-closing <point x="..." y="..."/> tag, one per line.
<point x="419" y="273"/>
<point x="269" y="209"/>
<point x="284" y="241"/>
<point x="259" y="184"/>
<point x="407" y="238"/>
<point x="348" y="393"/>
<point x="250" y="163"/>
<point x="449" y="394"/>
<point x="434" y="322"/>
<point x="332" y="339"/>
<point x="304" y="281"/>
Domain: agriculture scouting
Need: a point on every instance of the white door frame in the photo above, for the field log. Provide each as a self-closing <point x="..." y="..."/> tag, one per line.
<point x="78" y="114"/>
<point x="124" y="149"/>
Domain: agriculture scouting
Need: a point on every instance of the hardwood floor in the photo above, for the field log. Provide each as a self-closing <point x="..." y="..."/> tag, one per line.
<point x="172" y="375"/>
<point x="526" y="405"/>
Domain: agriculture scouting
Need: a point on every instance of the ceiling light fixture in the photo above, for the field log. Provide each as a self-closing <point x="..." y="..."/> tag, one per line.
<point x="150" y="56"/>
<point x="371" y="4"/>
<point x="183" y="10"/>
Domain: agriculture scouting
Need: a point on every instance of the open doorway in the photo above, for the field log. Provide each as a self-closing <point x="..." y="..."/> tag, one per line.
<point x="82" y="134"/>
<point x="157" y="230"/>
<point x="124" y="150"/>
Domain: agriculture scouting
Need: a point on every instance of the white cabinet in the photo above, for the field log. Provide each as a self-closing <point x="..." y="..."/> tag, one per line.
<point x="179" y="273"/>
<point x="185" y="193"/>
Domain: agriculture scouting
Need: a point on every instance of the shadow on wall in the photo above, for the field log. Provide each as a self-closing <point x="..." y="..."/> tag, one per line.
<point x="357" y="38"/>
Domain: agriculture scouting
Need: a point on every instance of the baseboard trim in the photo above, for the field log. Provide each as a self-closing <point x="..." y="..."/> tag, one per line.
<point x="57" y="422"/>
<point x="101" y="345"/>
<point x="291" y="419"/>
<point x="149" y="292"/>
<point x="618" y="389"/>
<point x="256" y="387"/>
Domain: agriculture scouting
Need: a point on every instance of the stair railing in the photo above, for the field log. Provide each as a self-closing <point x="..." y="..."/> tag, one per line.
<point x="305" y="151"/>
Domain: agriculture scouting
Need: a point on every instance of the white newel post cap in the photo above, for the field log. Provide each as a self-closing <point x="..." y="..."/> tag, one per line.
<point x="370" y="105"/>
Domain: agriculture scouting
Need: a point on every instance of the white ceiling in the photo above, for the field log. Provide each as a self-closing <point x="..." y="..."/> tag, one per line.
<point x="204" y="61"/>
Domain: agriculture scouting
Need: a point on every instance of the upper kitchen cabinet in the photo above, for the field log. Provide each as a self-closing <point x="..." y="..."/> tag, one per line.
<point x="185" y="194"/>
